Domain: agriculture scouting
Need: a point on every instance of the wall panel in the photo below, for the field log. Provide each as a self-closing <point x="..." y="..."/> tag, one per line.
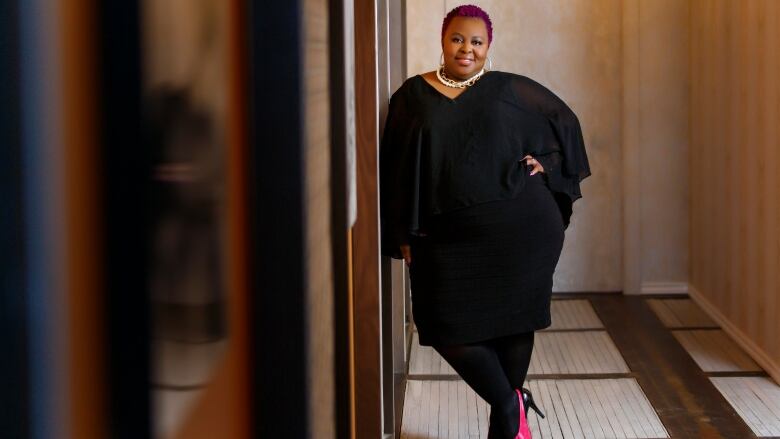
<point x="735" y="220"/>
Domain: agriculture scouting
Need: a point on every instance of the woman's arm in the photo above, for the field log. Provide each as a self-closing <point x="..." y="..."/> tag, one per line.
<point x="564" y="159"/>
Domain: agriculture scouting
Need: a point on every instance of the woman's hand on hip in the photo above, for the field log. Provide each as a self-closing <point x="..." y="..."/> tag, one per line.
<point x="532" y="161"/>
<point x="407" y="252"/>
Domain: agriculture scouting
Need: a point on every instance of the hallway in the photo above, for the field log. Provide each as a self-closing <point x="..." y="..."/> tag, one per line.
<point x="191" y="232"/>
<point x="640" y="367"/>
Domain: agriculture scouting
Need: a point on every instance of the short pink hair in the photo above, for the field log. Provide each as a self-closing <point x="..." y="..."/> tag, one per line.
<point x="468" y="11"/>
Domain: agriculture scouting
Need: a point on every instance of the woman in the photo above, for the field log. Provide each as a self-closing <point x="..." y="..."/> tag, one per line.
<point x="478" y="173"/>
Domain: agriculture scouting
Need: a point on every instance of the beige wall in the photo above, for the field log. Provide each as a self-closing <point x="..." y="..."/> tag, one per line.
<point x="735" y="239"/>
<point x="655" y="146"/>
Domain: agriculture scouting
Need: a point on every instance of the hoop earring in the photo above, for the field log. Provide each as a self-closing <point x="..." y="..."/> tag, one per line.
<point x="441" y="59"/>
<point x="490" y="63"/>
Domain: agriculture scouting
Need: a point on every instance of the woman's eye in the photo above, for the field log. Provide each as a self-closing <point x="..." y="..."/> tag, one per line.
<point x="478" y="43"/>
<point x="456" y="40"/>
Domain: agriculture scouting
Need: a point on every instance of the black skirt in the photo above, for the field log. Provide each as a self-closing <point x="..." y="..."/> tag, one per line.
<point x="486" y="270"/>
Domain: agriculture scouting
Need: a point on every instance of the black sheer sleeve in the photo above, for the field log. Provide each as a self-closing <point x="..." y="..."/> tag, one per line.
<point x="565" y="161"/>
<point x="551" y="161"/>
<point x="398" y="175"/>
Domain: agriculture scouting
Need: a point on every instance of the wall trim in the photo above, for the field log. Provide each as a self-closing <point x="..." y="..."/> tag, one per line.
<point x="742" y="339"/>
<point x="664" y="288"/>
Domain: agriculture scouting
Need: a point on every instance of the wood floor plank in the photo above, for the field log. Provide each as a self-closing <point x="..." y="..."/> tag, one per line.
<point x="444" y="406"/>
<point x="598" y="351"/>
<point x="554" y="353"/>
<point x="575" y="353"/>
<point x="642" y="410"/>
<point x="595" y="418"/>
<point x="536" y="427"/>
<point x="547" y="361"/>
<point x="414" y="356"/>
<point x="714" y="351"/>
<point x="452" y="424"/>
<point x="615" y="414"/>
<point x="656" y="428"/>
<point x="575" y="408"/>
<point x="584" y="352"/>
<point x="572" y="352"/>
<point x="755" y="399"/>
<point x="598" y="417"/>
<point x="435" y="409"/>
<point x="607" y="401"/>
<point x="570" y="411"/>
<point x="427" y="357"/>
<point x="424" y="360"/>
<point x="426" y="415"/>
<point x="483" y="412"/>
<point x="411" y="418"/>
<point x="625" y="413"/>
<point x="690" y="314"/>
<point x="637" y="409"/>
<point x="473" y="423"/>
<point x="582" y="410"/>
<point x="760" y="411"/>
<point x="664" y="313"/>
<point x="555" y="404"/>
<point x="573" y="314"/>
<point x="462" y="427"/>
<point x="746" y="410"/>
<point x="768" y="392"/>
<point x="555" y="346"/>
<point x="682" y="396"/>
<point x="629" y="409"/>
<point x="614" y="353"/>
<point x="680" y="313"/>
<point x="536" y="361"/>
<point x="737" y="355"/>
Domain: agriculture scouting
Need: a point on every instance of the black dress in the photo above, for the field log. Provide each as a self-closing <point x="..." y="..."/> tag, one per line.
<point x="485" y="236"/>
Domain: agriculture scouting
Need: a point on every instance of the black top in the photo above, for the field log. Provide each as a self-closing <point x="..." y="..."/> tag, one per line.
<point x="438" y="154"/>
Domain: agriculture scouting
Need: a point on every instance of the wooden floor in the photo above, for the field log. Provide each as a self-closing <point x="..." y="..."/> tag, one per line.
<point x="756" y="399"/>
<point x="611" y="366"/>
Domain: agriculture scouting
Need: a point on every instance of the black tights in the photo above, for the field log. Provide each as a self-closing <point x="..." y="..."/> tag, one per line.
<point x="494" y="368"/>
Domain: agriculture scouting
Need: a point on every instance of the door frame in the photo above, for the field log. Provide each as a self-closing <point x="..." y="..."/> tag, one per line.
<point x="14" y="419"/>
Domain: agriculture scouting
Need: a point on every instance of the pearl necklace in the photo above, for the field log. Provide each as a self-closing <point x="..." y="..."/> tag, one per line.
<point x="457" y="84"/>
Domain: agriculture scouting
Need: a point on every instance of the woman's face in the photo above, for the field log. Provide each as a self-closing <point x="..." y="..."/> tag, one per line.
<point x="465" y="46"/>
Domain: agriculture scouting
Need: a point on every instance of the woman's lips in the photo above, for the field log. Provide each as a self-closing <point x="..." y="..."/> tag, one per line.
<point x="464" y="61"/>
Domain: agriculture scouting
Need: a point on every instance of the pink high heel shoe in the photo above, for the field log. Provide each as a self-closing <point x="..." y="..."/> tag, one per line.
<point x="524" y="432"/>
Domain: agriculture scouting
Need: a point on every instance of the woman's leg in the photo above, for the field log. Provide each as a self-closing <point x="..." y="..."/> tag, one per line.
<point x="514" y="353"/>
<point x="479" y="366"/>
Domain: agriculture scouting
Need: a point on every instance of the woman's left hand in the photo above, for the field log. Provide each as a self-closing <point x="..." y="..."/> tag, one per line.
<point x="532" y="161"/>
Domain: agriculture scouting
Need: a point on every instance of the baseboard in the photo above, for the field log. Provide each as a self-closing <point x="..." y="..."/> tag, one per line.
<point x="664" y="288"/>
<point x="739" y="337"/>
